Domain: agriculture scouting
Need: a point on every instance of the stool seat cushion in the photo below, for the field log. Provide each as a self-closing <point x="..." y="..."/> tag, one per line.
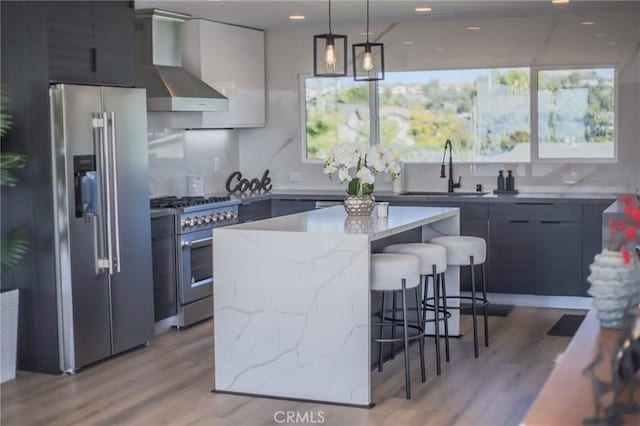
<point x="461" y="248"/>
<point x="388" y="270"/>
<point x="429" y="255"/>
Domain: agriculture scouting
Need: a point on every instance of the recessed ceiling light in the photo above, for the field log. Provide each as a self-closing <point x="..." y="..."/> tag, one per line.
<point x="369" y="33"/>
<point x="439" y="48"/>
<point x="408" y="42"/>
<point x="423" y="9"/>
<point x="611" y="43"/>
<point x="559" y="1"/>
<point x="600" y="35"/>
<point x="586" y="23"/>
<point x="296" y="17"/>
<point x="473" y="28"/>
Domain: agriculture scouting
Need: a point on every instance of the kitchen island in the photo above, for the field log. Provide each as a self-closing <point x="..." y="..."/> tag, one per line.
<point x="292" y="306"/>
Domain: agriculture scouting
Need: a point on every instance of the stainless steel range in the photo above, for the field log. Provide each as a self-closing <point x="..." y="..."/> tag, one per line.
<point x="195" y="218"/>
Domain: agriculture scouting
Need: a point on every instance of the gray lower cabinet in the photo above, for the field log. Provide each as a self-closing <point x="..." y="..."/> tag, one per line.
<point x="285" y="207"/>
<point x="512" y="250"/>
<point x="255" y="210"/>
<point x="474" y="222"/>
<point x="558" y="258"/>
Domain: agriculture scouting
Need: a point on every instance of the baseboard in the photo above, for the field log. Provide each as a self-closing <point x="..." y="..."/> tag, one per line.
<point x="535" y="301"/>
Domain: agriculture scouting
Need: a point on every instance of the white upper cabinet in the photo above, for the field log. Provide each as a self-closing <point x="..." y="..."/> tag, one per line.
<point x="231" y="60"/>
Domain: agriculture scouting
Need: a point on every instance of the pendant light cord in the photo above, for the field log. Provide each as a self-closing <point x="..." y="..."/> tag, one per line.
<point x="367" y="21"/>
<point x="330" y="32"/>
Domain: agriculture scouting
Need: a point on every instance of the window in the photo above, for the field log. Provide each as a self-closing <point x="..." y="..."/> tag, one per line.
<point x="576" y="114"/>
<point x="337" y="111"/>
<point x="485" y="113"/>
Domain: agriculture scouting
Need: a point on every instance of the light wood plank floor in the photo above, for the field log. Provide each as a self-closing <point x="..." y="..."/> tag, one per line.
<point x="169" y="383"/>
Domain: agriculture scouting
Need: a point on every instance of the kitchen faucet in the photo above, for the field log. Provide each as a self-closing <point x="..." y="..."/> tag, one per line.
<point x="451" y="184"/>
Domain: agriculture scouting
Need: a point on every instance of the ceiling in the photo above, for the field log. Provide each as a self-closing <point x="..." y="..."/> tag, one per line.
<point x="268" y="14"/>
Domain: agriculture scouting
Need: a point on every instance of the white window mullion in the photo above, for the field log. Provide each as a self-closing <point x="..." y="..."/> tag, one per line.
<point x="374" y="113"/>
<point x="533" y="119"/>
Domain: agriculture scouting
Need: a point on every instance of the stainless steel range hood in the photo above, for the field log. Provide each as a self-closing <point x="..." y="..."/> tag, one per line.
<point x="159" y="66"/>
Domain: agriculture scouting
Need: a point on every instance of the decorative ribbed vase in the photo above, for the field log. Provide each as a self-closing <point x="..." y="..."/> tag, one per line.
<point x="615" y="287"/>
<point x="359" y="205"/>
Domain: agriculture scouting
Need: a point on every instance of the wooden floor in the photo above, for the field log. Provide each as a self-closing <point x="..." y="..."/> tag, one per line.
<point x="169" y="383"/>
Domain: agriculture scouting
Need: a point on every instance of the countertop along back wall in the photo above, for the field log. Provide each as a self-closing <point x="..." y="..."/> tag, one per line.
<point x="503" y="42"/>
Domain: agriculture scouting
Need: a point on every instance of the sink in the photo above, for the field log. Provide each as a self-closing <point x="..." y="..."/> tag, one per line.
<point x="446" y="194"/>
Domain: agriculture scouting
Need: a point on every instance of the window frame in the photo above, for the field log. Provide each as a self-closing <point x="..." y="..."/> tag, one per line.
<point x="373" y="117"/>
<point x="535" y="154"/>
<point x="534" y="158"/>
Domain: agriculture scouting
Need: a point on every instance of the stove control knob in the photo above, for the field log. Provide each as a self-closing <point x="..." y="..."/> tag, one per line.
<point x="228" y="215"/>
<point x="190" y="222"/>
<point x="199" y="220"/>
<point x="234" y="215"/>
<point x="214" y="218"/>
<point x="206" y="219"/>
<point x="183" y="224"/>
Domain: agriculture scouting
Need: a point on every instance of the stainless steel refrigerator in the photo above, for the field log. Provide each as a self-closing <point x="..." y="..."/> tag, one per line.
<point x="103" y="237"/>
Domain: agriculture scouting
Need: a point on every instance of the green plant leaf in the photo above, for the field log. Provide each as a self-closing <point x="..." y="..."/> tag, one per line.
<point x="8" y="161"/>
<point x="354" y="187"/>
<point x="367" y="189"/>
<point x="14" y="246"/>
<point x="5" y="119"/>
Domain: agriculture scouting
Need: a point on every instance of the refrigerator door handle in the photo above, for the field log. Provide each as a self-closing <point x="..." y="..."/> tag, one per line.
<point x="114" y="171"/>
<point x="98" y="220"/>
<point x="107" y="186"/>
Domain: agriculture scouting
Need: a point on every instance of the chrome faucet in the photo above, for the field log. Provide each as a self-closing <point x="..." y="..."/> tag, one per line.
<point x="451" y="184"/>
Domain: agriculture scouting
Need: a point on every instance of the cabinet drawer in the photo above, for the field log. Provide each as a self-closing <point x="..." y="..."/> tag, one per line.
<point x="537" y="211"/>
<point x="254" y="211"/>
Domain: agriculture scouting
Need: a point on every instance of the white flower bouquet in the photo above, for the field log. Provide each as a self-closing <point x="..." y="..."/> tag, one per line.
<point x="357" y="164"/>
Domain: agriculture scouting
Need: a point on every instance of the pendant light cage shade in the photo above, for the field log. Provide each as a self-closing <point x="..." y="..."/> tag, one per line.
<point x="368" y="61"/>
<point x="330" y="55"/>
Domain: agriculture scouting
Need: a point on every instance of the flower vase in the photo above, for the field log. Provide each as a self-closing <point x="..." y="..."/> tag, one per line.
<point x="359" y="205"/>
<point x="615" y="287"/>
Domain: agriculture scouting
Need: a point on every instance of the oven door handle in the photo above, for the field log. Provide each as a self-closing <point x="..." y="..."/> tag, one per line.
<point x="196" y="242"/>
<point x="202" y="282"/>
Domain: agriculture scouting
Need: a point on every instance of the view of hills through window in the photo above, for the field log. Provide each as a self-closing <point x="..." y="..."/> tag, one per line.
<point x="486" y="113"/>
<point x="337" y="111"/>
<point x="576" y="113"/>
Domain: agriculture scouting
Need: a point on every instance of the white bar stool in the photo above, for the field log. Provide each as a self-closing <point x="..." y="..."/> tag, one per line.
<point x="433" y="263"/>
<point x="469" y="251"/>
<point x="398" y="272"/>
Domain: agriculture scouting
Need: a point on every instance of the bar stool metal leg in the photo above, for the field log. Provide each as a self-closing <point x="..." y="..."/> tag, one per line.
<point x="424" y="298"/>
<point x="406" y="338"/>
<point x="436" y="313"/>
<point x="446" y="317"/>
<point x="473" y="308"/>
<point x="484" y="306"/>
<point x="380" y="335"/>
<point x="393" y="329"/>
<point x="423" y="371"/>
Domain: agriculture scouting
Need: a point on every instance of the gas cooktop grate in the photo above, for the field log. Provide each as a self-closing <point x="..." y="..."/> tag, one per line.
<point x="181" y="202"/>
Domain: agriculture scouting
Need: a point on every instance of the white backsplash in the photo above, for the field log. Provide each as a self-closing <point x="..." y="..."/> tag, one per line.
<point x="523" y="41"/>
<point x="175" y="154"/>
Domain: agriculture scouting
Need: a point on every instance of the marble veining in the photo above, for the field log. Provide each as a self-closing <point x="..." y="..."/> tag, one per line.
<point x="292" y="302"/>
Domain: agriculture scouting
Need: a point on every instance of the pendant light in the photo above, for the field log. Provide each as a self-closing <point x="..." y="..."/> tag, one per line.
<point x="329" y="53"/>
<point x="368" y="59"/>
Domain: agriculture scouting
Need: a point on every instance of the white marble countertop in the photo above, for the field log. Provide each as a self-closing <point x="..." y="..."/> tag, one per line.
<point x="334" y="220"/>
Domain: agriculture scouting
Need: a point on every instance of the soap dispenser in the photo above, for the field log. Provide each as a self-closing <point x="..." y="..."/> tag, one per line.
<point x="501" y="184"/>
<point x="511" y="181"/>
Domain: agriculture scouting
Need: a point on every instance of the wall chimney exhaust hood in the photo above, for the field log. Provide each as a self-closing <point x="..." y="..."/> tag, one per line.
<point x="159" y="66"/>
